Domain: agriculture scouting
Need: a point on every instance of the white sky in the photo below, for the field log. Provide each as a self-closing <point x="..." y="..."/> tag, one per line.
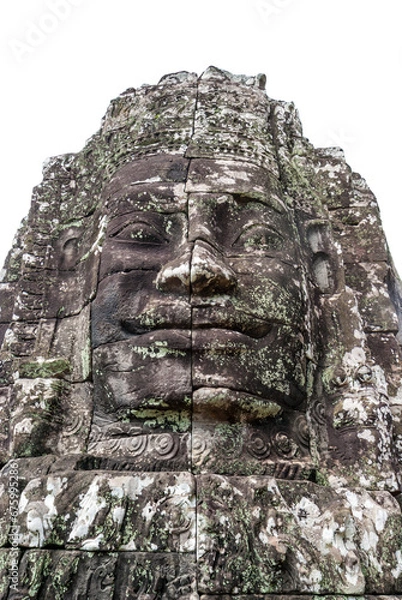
<point x="64" y="60"/>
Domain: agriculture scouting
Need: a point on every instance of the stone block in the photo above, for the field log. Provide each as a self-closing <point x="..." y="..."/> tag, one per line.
<point x="232" y="177"/>
<point x="148" y="512"/>
<point x="370" y="283"/>
<point x="359" y="231"/>
<point x="258" y="535"/>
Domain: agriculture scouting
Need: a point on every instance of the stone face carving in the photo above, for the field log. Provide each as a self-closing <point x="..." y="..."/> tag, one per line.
<point x="205" y="286"/>
<point x="200" y="386"/>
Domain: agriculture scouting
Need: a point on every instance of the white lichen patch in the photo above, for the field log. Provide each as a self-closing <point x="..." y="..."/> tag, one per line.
<point x="306" y="512"/>
<point x="264" y="539"/>
<point x="93" y="544"/>
<point x="180" y="272"/>
<point x="40" y="513"/>
<point x="129" y="486"/>
<point x="90" y="505"/>
<point x="366" y="434"/>
<point x="118" y="514"/>
<point x="355" y="358"/>
<point x="158" y="349"/>
<point x="24" y="427"/>
<point x="97" y="245"/>
<point x="397" y="571"/>
<point x="54" y="486"/>
<point x="310" y="579"/>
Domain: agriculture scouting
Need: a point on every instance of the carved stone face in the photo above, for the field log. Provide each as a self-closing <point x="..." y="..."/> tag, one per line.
<point x="235" y="427"/>
<point x="199" y="290"/>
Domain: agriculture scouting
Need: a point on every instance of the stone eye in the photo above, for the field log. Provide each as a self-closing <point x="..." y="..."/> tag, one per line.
<point x="259" y="238"/>
<point x="139" y="232"/>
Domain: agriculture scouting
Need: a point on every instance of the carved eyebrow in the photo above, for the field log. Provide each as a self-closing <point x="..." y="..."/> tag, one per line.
<point x="137" y="219"/>
<point x="257" y="225"/>
<point x="267" y="201"/>
<point x="251" y="224"/>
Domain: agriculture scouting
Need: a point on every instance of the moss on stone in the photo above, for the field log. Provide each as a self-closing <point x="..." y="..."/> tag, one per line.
<point x="44" y="369"/>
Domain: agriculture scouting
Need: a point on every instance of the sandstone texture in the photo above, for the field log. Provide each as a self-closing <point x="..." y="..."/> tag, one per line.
<point x="200" y="369"/>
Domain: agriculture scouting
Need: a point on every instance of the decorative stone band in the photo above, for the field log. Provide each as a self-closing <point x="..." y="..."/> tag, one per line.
<point x="305" y="538"/>
<point x="191" y="117"/>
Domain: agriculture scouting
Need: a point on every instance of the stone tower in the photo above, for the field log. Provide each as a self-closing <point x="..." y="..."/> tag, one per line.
<point x="200" y="386"/>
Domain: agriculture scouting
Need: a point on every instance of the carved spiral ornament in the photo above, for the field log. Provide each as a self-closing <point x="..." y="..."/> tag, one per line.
<point x="137" y="445"/>
<point x="284" y="446"/>
<point x="339" y="378"/>
<point x="302" y="431"/>
<point x="166" y="445"/>
<point x="258" y="446"/>
<point x="199" y="445"/>
<point x="318" y="412"/>
<point x="73" y="424"/>
<point x="364" y="374"/>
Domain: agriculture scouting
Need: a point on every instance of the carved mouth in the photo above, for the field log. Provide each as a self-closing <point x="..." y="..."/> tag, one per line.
<point x="172" y="338"/>
<point x="137" y="327"/>
<point x="203" y="319"/>
<point x="236" y="322"/>
<point x="218" y="340"/>
<point x="214" y="340"/>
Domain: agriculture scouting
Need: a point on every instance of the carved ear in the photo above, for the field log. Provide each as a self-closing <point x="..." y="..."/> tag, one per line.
<point x="68" y="249"/>
<point x="324" y="263"/>
<point x="69" y="256"/>
<point x="322" y="272"/>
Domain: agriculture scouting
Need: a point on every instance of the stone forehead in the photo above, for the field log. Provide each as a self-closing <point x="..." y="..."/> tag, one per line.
<point x="210" y="175"/>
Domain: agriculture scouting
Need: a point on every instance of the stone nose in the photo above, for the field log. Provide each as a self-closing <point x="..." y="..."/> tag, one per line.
<point x="174" y="277"/>
<point x="208" y="272"/>
<point x="200" y="271"/>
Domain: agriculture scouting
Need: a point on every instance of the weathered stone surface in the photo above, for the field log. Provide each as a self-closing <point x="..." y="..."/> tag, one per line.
<point x="200" y="363"/>
<point x="156" y="575"/>
<point x="360" y="233"/>
<point x="369" y="280"/>
<point x="237" y="433"/>
<point x="71" y="338"/>
<point x="49" y="575"/>
<point x="293" y="597"/>
<point x="232" y="177"/>
<point x="148" y="512"/>
<point x="247" y="529"/>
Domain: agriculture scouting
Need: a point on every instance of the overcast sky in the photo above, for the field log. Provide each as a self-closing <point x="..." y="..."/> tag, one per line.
<point x="64" y="60"/>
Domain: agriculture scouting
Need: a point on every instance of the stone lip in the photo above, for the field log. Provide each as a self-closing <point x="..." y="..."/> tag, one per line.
<point x="228" y="318"/>
<point x="220" y="340"/>
<point x="217" y="326"/>
<point x="171" y="337"/>
<point x="217" y="403"/>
